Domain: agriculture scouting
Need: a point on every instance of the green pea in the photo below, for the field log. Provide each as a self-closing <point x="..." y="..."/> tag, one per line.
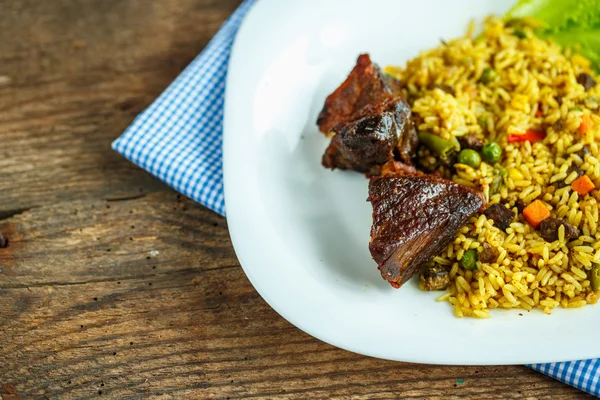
<point x="520" y="33"/>
<point x="469" y="157"/>
<point x="469" y="260"/>
<point x="488" y="75"/>
<point x="491" y="153"/>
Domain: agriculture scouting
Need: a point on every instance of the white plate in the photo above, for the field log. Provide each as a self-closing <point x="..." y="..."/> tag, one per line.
<point x="301" y="232"/>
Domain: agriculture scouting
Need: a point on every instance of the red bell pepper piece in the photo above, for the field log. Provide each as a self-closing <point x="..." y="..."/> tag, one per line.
<point x="531" y="136"/>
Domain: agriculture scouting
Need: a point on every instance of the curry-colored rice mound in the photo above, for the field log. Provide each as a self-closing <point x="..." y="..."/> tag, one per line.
<point x="534" y="87"/>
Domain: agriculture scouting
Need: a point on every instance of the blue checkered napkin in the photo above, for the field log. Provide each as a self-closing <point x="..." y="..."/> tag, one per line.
<point x="178" y="139"/>
<point x="584" y="374"/>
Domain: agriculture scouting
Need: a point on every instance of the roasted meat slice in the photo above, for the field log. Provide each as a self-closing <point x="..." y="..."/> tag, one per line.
<point x="488" y="254"/>
<point x="435" y="277"/>
<point x="407" y="145"/>
<point x="369" y="141"/>
<point x="470" y="141"/>
<point x="369" y="121"/>
<point x="366" y="85"/>
<point x="501" y="215"/>
<point x="549" y="229"/>
<point x="414" y="218"/>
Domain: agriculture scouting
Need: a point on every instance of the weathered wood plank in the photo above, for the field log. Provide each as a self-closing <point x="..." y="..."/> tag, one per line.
<point x="169" y="313"/>
<point x="114" y="240"/>
<point x="112" y="285"/>
<point x="72" y="77"/>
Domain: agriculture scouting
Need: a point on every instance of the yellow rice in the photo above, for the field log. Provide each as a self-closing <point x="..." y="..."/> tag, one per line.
<point x="529" y="273"/>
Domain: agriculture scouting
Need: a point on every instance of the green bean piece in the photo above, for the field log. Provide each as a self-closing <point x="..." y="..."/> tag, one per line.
<point x="469" y="157"/>
<point x="488" y="75"/>
<point x="441" y="147"/>
<point x="491" y="152"/>
<point x="495" y="185"/>
<point x="469" y="260"/>
<point x="501" y="171"/>
<point x="595" y="278"/>
<point x="500" y="174"/>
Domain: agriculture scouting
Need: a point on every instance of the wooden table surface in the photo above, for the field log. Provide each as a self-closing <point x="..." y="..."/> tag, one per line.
<point x="115" y="286"/>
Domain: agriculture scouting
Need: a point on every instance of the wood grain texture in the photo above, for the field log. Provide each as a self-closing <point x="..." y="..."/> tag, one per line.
<point x="113" y="286"/>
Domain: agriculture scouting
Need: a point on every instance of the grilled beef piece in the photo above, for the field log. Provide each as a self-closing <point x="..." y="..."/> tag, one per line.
<point x="586" y="81"/>
<point x="368" y="141"/>
<point x="414" y="218"/>
<point x="435" y="277"/>
<point x="488" y="254"/>
<point x="520" y="204"/>
<point x="558" y="126"/>
<point x="501" y="215"/>
<point x="549" y="229"/>
<point x="408" y="143"/>
<point x="585" y="150"/>
<point x="369" y="120"/>
<point x="470" y="141"/>
<point x="559" y="99"/>
<point x="366" y="85"/>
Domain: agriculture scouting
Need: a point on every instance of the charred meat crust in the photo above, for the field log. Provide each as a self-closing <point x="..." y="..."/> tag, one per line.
<point x="369" y="120"/>
<point x="488" y="254"/>
<point x="369" y="140"/>
<point x="549" y="229"/>
<point x="586" y="81"/>
<point x="470" y="141"/>
<point x="501" y="215"/>
<point x="435" y="277"/>
<point x="366" y="85"/>
<point x="414" y="218"/>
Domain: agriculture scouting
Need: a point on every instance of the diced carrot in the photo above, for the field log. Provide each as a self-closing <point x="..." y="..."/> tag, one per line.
<point x="586" y="124"/>
<point x="531" y="136"/>
<point x="535" y="213"/>
<point x="583" y="185"/>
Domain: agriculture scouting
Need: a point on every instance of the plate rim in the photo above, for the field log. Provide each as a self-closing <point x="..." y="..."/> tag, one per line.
<point x="231" y="195"/>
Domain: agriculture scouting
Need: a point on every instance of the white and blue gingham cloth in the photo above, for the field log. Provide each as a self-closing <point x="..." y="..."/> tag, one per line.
<point x="178" y="139"/>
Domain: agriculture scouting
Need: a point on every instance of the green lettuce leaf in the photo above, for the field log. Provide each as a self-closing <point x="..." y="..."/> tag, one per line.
<point x="583" y="41"/>
<point x="570" y="23"/>
<point x="559" y="15"/>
